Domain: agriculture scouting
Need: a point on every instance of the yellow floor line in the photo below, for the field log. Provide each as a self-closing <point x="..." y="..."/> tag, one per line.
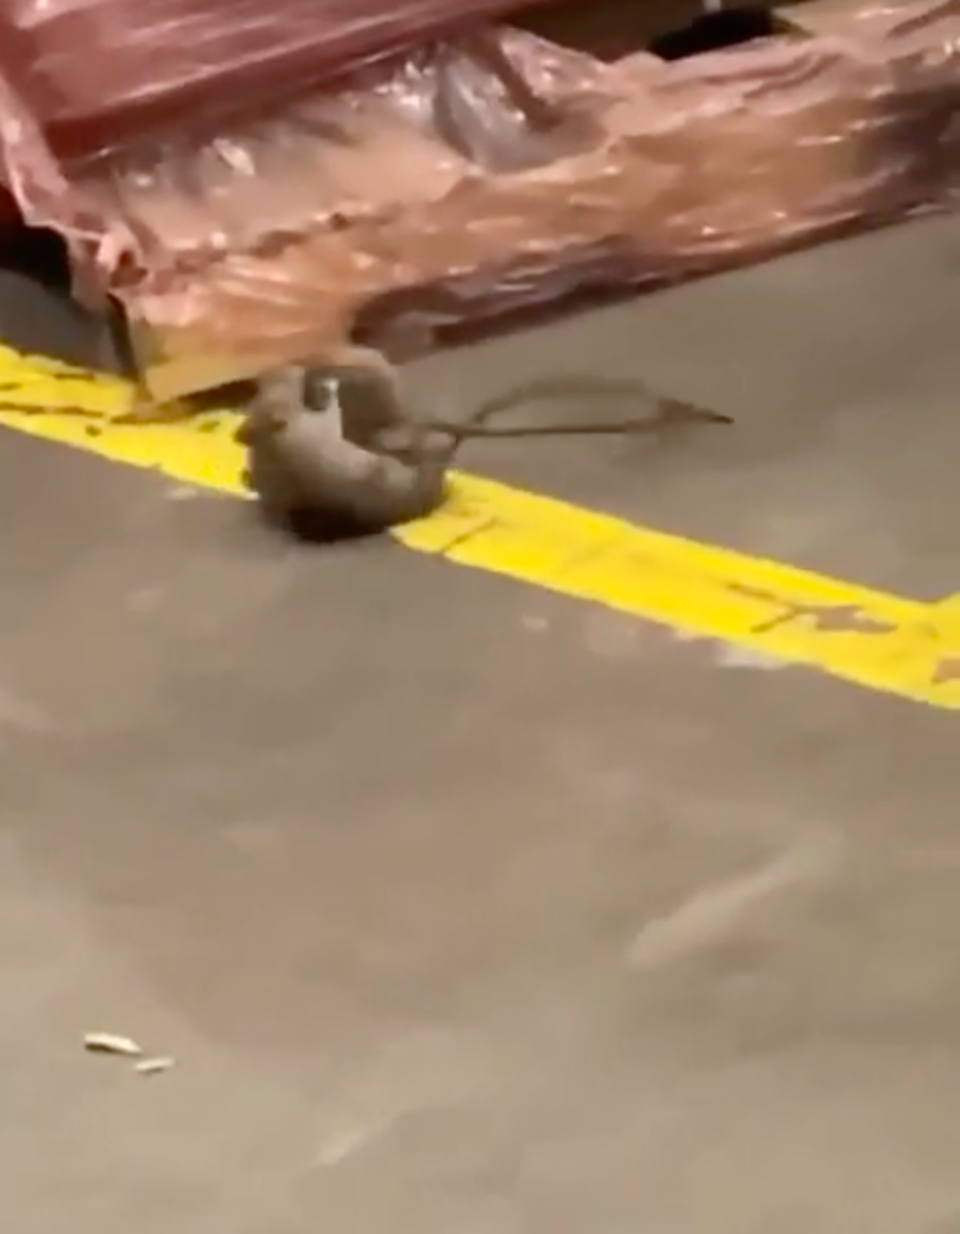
<point x="881" y="641"/>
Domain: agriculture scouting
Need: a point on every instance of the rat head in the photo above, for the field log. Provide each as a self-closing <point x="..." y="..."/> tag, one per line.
<point x="318" y="389"/>
<point x="280" y="396"/>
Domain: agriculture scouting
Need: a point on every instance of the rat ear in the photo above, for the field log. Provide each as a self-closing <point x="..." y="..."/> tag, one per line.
<point x="282" y="385"/>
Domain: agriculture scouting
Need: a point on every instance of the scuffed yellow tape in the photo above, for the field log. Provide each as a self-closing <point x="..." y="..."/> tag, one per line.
<point x="877" y="640"/>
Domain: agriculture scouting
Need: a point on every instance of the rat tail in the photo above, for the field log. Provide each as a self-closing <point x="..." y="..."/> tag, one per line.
<point x="563" y="387"/>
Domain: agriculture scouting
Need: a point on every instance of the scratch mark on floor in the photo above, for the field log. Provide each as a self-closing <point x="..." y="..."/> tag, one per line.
<point x="713" y="912"/>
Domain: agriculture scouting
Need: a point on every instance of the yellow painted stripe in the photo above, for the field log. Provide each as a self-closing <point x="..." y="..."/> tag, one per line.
<point x="881" y="641"/>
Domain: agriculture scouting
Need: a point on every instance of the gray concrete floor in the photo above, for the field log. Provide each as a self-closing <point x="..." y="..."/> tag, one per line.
<point x="466" y="909"/>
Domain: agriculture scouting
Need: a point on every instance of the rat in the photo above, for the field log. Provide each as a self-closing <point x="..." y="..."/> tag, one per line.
<point x="331" y="442"/>
<point x="318" y="470"/>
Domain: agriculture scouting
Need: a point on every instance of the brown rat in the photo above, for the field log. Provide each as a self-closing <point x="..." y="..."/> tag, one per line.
<point x="336" y="439"/>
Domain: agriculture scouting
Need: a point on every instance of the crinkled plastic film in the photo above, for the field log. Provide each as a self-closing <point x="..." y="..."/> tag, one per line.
<point x="494" y="172"/>
<point x="435" y="192"/>
<point x="35" y="186"/>
<point x="100" y="72"/>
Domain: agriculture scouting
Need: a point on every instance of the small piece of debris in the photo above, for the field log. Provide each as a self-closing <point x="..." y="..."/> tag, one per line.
<point x="153" y="1066"/>
<point x="733" y="655"/>
<point x="110" y="1043"/>
<point x="183" y="492"/>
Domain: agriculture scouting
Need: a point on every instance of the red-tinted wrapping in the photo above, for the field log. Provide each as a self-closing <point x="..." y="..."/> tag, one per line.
<point x="497" y="171"/>
<point x="97" y="73"/>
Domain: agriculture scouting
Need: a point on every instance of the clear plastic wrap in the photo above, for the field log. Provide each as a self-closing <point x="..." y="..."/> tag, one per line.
<point x="496" y="172"/>
<point x="100" y="72"/>
<point x="36" y="187"/>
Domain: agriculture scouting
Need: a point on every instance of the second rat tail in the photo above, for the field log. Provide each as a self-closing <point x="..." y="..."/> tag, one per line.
<point x="666" y="409"/>
<point x="563" y="387"/>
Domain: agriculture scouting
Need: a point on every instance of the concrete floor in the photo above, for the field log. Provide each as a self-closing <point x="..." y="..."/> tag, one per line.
<point x="466" y="909"/>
